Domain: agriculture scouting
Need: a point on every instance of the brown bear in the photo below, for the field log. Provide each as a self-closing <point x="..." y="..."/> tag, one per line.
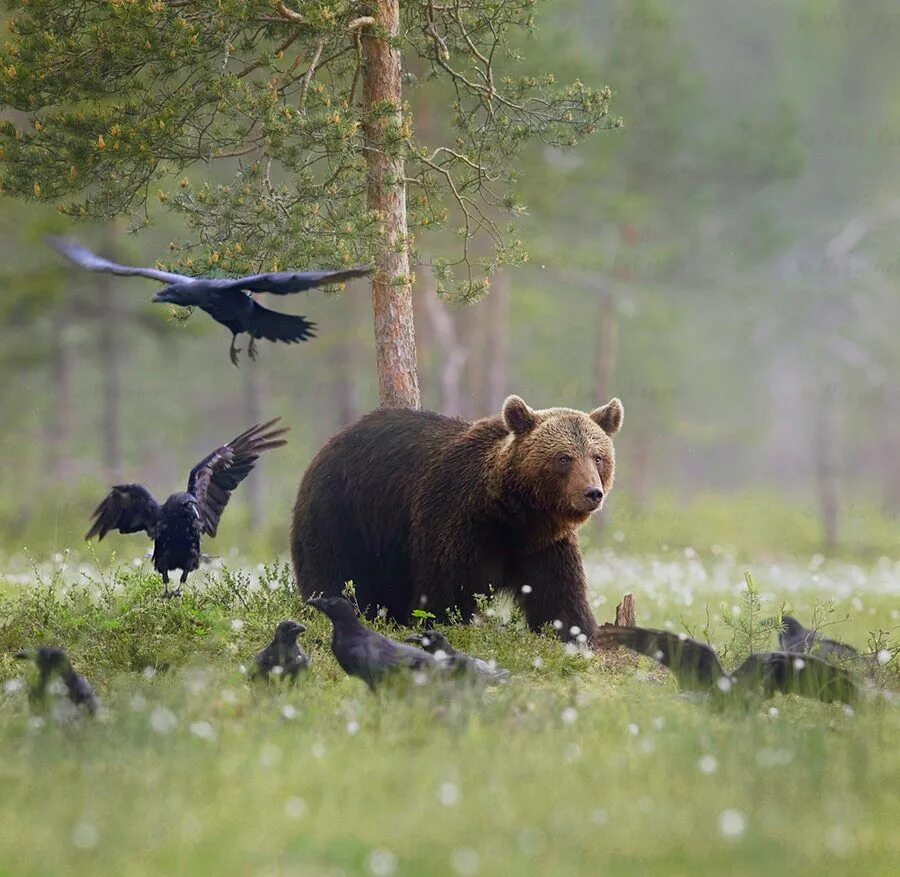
<point x="422" y="510"/>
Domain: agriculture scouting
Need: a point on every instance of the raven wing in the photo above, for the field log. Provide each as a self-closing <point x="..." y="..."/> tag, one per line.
<point x="128" y="508"/>
<point x="694" y="664"/>
<point x="795" y="673"/>
<point x="274" y="326"/>
<point x="84" y="258"/>
<point x="286" y="282"/>
<point x="214" y="477"/>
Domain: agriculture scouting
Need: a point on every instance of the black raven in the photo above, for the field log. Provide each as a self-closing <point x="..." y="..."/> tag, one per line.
<point x="283" y="653"/>
<point x="229" y="301"/>
<point x="437" y="644"/>
<point x="362" y="652"/>
<point x="50" y="660"/>
<point x="697" y="668"/>
<point x="794" y="637"/>
<point x="177" y="525"/>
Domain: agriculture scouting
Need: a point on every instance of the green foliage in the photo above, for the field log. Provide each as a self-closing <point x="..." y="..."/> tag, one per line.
<point x="749" y="631"/>
<point x="122" y="98"/>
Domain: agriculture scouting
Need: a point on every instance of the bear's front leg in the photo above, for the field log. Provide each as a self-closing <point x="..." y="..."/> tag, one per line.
<point x="551" y="588"/>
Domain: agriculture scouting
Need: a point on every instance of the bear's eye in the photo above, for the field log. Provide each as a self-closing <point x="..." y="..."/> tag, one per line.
<point x="563" y="459"/>
<point x="598" y="460"/>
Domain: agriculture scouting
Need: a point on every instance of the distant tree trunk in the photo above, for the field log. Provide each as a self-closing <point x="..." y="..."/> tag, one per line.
<point x="471" y="329"/>
<point x="254" y="402"/>
<point x="342" y="362"/>
<point x="110" y="326"/>
<point x="826" y="461"/>
<point x="60" y="427"/>
<point x="453" y="362"/>
<point x="395" y="342"/>
<point x="497" y="322"/>
<point x="607" y="339"/>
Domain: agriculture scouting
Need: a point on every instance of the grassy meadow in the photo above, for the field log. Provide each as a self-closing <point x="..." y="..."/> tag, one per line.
<point x="580" y="765"/>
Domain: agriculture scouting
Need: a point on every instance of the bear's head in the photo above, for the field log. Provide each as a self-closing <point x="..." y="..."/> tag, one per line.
<point x="561" y="458"/>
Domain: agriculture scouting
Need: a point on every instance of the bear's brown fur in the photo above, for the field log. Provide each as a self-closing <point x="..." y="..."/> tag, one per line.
<point x="421" y="510"/>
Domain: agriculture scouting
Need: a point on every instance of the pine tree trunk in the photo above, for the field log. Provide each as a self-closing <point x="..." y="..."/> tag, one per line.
<point x="498" y="344"/>
<point x="453" y="360"/>
<point x="254" y="390"/>
<point x="395" y="342"/>
<point x="61" y="423"/>
<point x="826" y="456"/>
<point x="110" y="326"/>
<point x="606" y="347"/>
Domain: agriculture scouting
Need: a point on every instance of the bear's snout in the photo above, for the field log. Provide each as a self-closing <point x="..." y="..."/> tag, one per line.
<point x="594" y="496"/>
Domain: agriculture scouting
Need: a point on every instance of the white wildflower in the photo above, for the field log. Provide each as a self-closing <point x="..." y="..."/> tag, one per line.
<point x="708" y="764"/>
<point x="382" y="863"/>
<point x="569" y="715"/>
<point x="732" y="824"/>
<point x="448" y="794"/>
<point x="85" y="836"/>
<point x="163" y="720"/>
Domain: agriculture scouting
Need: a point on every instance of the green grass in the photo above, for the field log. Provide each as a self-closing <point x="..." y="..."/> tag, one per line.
<point x="577" y="767"/>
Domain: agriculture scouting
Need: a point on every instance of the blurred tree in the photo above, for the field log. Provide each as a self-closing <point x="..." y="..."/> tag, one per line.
<point x="122" y="97"/>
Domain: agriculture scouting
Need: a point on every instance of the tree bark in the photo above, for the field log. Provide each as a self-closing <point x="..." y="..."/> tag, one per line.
<point x="826" y="457"/>
<point x="453" y="361"/>
<point x="498" y="343"/>
<point x="254" y="390"/>
<point x="60" y="427"/>
<point x="607" y="337"/>
<point x="110" y="326"/>
<point x="395" y="342"/>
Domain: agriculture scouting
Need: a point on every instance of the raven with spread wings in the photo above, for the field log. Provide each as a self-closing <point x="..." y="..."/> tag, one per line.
<point x="177" y="525"/>
<point x="228" y="301"/>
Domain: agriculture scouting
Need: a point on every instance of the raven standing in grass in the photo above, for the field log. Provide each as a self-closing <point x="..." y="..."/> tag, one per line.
<point x="364" y="653"/>
<point x="697" y="668"/>
<point x="794" y="637"/>
<point x="177" y="525"/>
<point x="282" y="652"/>
<point x="50" y="660"/>
<point x="228" y="301"/>
<point x="437" y="644"/>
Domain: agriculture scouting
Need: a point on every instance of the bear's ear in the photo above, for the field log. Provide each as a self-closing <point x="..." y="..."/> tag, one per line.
<point x="518" y="417"/>
<point x="609" y="416"/>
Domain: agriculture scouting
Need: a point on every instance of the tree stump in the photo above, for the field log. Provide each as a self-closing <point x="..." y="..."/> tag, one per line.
<point x="615" y="657"/>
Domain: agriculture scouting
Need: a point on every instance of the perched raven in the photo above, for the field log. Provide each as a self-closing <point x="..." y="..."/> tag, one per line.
<point x="227" y="300"/>
<point x="794" y="637"/>
<point x="436" y="643"/>
<point x="283" y="652"/>
<point x="697" y="668"/>
<point x="51" y="660"/>
<point x="362" y="652"/>
<point x="177" y="525"/>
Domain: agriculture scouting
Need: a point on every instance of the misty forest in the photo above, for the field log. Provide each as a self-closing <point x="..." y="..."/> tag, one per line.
<point x="486" y="209"/>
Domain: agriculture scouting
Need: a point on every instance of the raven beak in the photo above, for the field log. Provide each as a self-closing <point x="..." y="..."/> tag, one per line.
<point x="25" y="654"/>
<point x="414" y="639"/>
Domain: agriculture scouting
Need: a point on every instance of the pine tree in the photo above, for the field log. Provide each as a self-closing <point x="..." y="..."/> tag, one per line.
<point x="280" y="134"/>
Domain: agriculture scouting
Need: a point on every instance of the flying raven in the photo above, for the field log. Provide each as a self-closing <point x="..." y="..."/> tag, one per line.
<point x="697" y="668"/>
<point x="50" y="660"/>
<point x="437" y="644"/>
<point x="794" y="637"/>
<point x="177" y="525"/>
<point x="229" y="301"/>
<point x="283" y="652"/>
<point x="364" y="653"/>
